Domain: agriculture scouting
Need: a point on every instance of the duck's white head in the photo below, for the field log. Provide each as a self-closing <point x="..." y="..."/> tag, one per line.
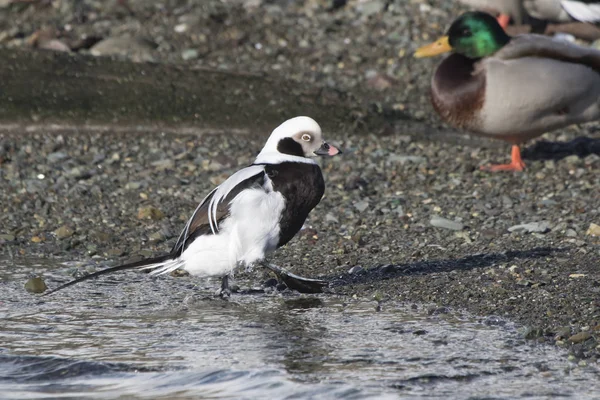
<point x="298" y="139"/>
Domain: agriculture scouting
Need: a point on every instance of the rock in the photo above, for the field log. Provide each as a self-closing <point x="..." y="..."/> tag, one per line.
<point x="54" y="45"/>
<point x="156" y="237"/>
<point x="562" y="333"/>
<point x="165" y="164"/>
<point x="35" y="285"/>
<point x="357" y="269"/>
<point x="579" y="337"/>
<point x="403" y="159"/>
<point x="369" y="8"/>
<point x="7" y="237"/>
<point x="56" y="157"/>
<point x="329" y="217"/>
<point x="150" y="212"/>
<point x="362" y="205"/>
<point x="387" y="269"/>
<point x="190" y="54"/>
<point x="64" y="232"/>
<point x="380" y="81"/>
<point x="135" y="48"/>
<point x="99" y="236"/>
<point x="593" y="230"/>
<point x="133" y="185"/>
<point x="444" y="223"/>
<point x="531" y="227"/>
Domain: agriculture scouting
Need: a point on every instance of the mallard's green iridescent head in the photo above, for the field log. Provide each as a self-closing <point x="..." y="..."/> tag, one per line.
<point x="476" y="35"/>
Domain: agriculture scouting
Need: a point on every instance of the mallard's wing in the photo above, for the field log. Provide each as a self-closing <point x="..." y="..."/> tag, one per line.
<point x="546" y="47"/>
<point x="535" y="85"/>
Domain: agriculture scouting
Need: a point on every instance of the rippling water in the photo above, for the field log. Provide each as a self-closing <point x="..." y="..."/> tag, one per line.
<point x="165" y="338"/>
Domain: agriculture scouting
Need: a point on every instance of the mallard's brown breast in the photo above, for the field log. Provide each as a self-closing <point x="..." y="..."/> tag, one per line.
<point x="457" y="93"/>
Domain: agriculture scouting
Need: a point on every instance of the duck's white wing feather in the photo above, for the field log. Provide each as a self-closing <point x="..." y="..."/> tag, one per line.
<point x="212" y="208"/>
<point x="223" y="190"/>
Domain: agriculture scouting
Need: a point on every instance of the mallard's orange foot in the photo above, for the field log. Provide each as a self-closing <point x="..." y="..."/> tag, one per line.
<point x="504" y="167"/>
<point x="516" y="163"/>
<point x="503" y="20"/>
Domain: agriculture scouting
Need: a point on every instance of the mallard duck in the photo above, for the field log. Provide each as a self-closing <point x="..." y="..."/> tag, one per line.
<point x="506" y="9"/>
<point x="511" y="88"/>
<point x="546" y="10"/>
<point x="564" y="10"/>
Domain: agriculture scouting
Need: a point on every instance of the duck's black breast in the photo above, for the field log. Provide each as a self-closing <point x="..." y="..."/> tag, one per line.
<point x="302" y="186"/>
<point x="457" y="94"/>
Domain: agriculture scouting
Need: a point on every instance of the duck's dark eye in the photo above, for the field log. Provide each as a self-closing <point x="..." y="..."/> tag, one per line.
<point x="306" y="137"/>
<point x="466" y="32"/>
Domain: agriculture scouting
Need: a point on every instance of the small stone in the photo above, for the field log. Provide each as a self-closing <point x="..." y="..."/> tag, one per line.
<point x="35" y="285"/>
<point x="56" y="157"/>
<point x="400" y="211"/>
<point x="387" y="269"/>
<point x="7" y="237"/>
<point x="36" y="239"/>
<point x="362" y="205"/>
<point x="64" y="232"/>
<point x="100" y="236"/>
<point x="165" y="164"/>
<point x="156" y="237"/>
<point x="369" y="8"/>
<point x="402" y="159"/>
<point x="150" y="212"/>
<point x="444" y="223"/>
<point x="136" y="48"/>
<point x="579" y="337"/>
<point x="116" y="252"/>
<point x="531" y="227"/>
<point x="562" y="333"/>
<point x="357" y="269"/>
<point x="133" y="185"/>
<point x="328" y="218"/>
<point x="570" y="233"/>
<point x="489" y="233"/>
<point x="180" y="28"/>
<point x="465" y="236"/>
<point x="146" y="253"/>
<point x="593" y="230"/>
<point x="380" y="82"/>
<point x="190" y="54"/>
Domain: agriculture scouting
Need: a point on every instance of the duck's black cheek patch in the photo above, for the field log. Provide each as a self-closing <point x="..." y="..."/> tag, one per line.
<point x="290" y="146"/>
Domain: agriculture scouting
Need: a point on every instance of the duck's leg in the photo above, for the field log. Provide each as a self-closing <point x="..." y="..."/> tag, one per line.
<point x="503" y="20"/>
<point x="225" y="291"/>
<point x="516" y="163"/>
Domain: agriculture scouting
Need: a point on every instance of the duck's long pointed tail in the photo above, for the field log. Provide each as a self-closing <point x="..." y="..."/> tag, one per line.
<point x="163" y="264"/>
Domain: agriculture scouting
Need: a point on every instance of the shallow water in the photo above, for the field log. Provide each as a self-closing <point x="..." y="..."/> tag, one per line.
<point x="140" y="337"/>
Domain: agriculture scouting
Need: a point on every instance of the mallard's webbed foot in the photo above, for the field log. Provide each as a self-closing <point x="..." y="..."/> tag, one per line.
<point x="516" y="163"/>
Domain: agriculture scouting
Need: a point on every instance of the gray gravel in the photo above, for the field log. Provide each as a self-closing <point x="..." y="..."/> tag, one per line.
<point x="104" y="196"/>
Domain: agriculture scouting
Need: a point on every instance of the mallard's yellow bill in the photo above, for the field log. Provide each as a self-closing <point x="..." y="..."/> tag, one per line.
<point x="440" y="46"/>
